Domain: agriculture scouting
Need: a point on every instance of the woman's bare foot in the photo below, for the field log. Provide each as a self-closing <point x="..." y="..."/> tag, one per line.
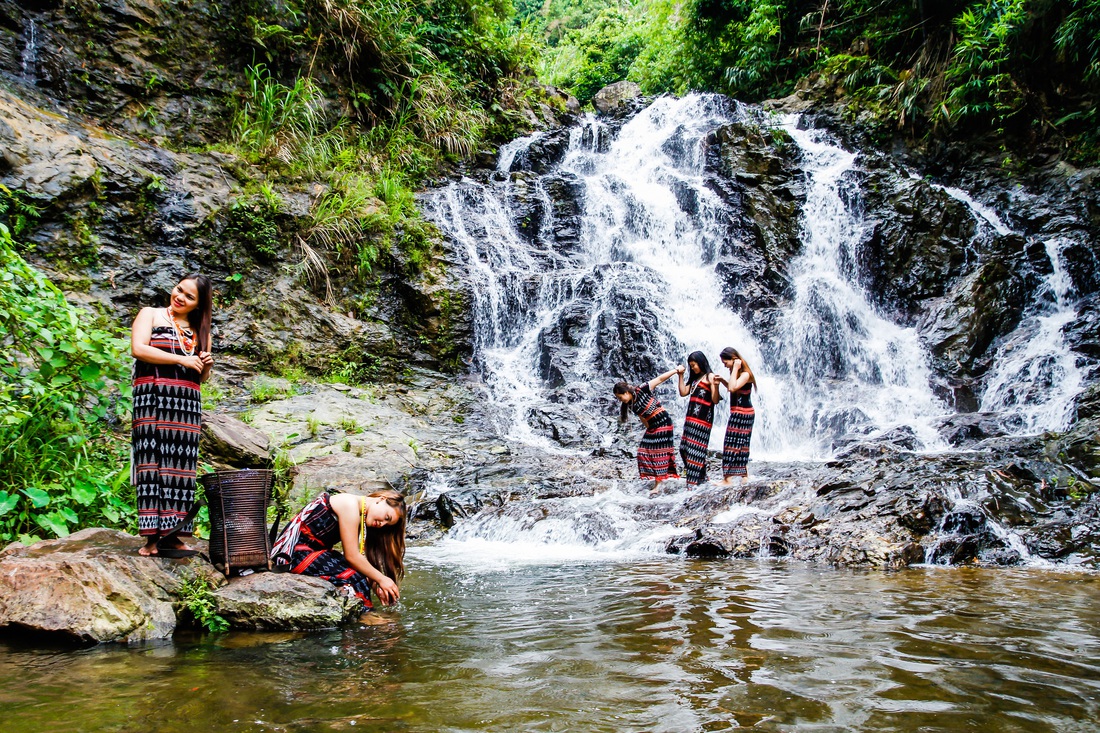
<point x="370" y="618"/>
<point x="149" y="549"/>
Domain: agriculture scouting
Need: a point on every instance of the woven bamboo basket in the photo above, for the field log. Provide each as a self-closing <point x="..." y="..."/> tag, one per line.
<point x="238" y="503"/>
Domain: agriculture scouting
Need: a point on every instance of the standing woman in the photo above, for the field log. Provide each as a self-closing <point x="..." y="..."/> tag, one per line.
<point x="703" y="388"/>
<point x="656" y="454"/>
<point x="735" y="450"/>
<point x="171" y="348"/>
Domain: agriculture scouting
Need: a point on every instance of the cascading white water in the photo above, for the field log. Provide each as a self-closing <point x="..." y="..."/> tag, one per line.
<point x="29" y="55"/>
<point x="1035" y="377"/>
<point x="844" y="365"/>
<point x="837" y="365"/>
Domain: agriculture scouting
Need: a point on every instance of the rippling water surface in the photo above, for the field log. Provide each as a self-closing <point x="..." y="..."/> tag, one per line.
<point x="647" y="645"/>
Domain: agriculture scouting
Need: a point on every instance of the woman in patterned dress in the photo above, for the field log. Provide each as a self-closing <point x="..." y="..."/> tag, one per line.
<point x="371" y="530"/>
<point x="171" y="348"/>
<point x="735" y="449"/>
<point x="656" y="454"/>
<point x="703" y="388"/>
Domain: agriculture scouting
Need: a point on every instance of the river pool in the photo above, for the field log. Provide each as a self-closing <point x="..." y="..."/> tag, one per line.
<point x="481" y="643"/>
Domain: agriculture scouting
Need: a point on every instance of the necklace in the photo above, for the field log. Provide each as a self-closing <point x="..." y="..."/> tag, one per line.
<point x="186" y="344"/>
<point x="363" y="526"/>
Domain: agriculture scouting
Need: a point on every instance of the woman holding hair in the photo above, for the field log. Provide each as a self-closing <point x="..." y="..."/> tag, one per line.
<point x="171" y="349"/>
<point x="735" y="449"/>
<point x="703" y="388"/>
<point x="371" y="530"/>
<point x="656" y="455"/>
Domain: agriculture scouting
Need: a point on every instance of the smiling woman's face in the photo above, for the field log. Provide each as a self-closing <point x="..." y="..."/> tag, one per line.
<point x="185" y="297"/>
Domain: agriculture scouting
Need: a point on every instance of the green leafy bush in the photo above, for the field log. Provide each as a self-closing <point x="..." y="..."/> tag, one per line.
<point x="61" y="467"/>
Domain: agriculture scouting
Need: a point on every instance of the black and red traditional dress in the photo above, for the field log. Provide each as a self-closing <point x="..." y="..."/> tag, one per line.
<point x="165" y="433"/>
<point x="735" y="450"/>
<point x="696" y="437"/>
<point x="656" y="454"/>
<point x="306" y="546"/>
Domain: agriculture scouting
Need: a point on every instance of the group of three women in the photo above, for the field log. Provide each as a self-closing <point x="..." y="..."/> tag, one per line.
<point x="656" y="457"/>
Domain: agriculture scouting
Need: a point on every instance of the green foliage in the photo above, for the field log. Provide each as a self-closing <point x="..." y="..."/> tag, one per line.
<point x="1006" y="66"/>
<point x="262" y="389"/>
<point x="598" y="54"/>
<point x="979" y="78"/>
<point x="18" y="212"/>
<point x="252" y="222"/>
<point x="60" y="467"/>
<point x="194" y="593"/>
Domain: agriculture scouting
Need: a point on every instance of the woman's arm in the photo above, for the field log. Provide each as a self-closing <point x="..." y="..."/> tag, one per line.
<point x="738" y="376"/>
<point x="207" y="360"/>
<point x="715" y="393"/>
<point x="665" y="377"/>
<point x="140" y="335"/>
<point x="346" y="507"/>
<point x="684" y="389"/>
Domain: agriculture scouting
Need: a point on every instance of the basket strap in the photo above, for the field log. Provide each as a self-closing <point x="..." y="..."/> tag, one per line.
<point x="183" y="522"/>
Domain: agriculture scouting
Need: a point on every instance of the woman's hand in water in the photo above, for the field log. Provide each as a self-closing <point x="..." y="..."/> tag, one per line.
<point x="387" y="591"/>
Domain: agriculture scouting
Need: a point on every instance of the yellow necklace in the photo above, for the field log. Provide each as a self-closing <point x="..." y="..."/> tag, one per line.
<point x="363" y="526"/>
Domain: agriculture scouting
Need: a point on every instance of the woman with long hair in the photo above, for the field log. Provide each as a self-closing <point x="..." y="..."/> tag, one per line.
<point x="656" y="454"/>
<point x="171" y="349"/>
<point x="703" y="388"/>
<point x="371" y="529"/>
<point x="735" y="449"/>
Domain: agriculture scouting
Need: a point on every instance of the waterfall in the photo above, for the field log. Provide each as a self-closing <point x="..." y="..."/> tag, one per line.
<point x="638" y="264"/>
<point x="1035" y="376"/>
<point x="845" y="366"/>
<point x="29" y="56"/>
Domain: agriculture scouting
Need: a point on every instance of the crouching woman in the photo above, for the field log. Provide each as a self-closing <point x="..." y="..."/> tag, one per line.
<point x="372" y="531"/>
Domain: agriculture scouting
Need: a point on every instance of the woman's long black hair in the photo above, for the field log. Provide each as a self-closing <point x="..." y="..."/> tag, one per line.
<point x="622" y="388"/>
<point x="200" y="315"/>
<point x="704" y="367"/>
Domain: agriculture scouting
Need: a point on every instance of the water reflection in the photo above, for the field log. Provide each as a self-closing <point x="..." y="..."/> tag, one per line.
<point x="652" y="645"/>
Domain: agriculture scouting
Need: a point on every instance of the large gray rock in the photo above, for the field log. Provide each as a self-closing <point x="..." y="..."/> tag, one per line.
<point x="228" y="442"/>
<point x="92" y="586"/>
<point x="613" y="96"/>
<point x="283" y="601"/>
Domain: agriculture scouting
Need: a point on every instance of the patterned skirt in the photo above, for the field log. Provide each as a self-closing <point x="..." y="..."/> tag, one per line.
<point x="165" y="449"/>
<point x="656" y="454"/>
<point x="305" y="544"/>
<point x="735" y="450"/>
<point x="331" y="566"/>
<point x="696" y="437"/>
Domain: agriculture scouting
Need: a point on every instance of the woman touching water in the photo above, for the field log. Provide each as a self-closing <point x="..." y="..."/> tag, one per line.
<point x="703" y="388"/>
<point x="171" y="349"/>
<point x="371" y="531"/>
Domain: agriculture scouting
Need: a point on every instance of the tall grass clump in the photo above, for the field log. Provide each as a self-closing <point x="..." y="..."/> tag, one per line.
<point x="61" y="467"/>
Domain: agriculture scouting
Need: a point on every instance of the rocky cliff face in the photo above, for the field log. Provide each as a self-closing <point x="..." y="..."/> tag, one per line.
<point x="110" y="116"/>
